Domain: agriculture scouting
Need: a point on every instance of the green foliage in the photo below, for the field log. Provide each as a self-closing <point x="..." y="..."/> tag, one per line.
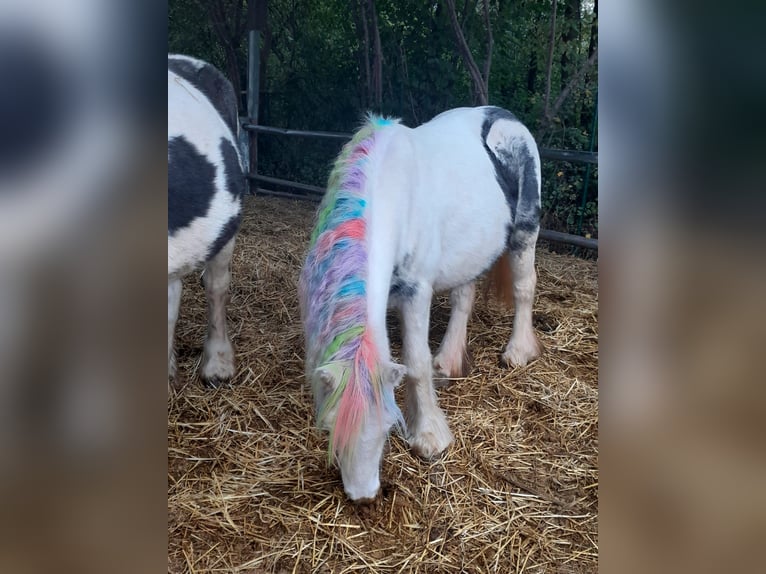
<point x="189" y="32"/>
<point x="315" y="79"/>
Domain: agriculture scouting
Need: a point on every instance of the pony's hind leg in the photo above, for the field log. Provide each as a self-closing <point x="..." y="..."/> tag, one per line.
<point x="429" y="433"/>
<point x="523" y="345"/>
<point x="218" y="354"/>
<point x="452" y="361"/>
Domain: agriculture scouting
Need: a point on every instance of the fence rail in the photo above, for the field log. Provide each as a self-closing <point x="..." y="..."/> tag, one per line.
<point x="315" y="193"/>
<point x="545" y="153"/>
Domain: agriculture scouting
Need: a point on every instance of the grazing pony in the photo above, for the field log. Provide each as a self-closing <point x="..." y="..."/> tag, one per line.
<point x="408" y="212"/>
<point x="205" y="187"/>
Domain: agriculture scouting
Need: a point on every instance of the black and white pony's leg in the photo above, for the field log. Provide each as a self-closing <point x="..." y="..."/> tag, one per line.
<point x="218" y="355"/>
<point x="523" y="346"/>
<point x="174" y="302"/>
<point x="427" y="426"/>
<point x="452" y="361"/>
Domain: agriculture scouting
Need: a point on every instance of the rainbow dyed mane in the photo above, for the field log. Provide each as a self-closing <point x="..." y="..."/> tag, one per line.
<point x="333" y="294"/>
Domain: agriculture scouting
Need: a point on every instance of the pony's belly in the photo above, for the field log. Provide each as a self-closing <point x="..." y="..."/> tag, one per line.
<point x="467" y="263"/>
<point x="472" y="241"/>
<point x="462" y="274"/>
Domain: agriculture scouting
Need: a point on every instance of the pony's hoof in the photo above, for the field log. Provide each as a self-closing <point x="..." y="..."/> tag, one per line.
<point x="218" y="364"/>
<point x="447" y="368"/>
<point x="433" y="439"/>
<point x="442" y="380"/>
<point x="519" y="354"/>
<point x="516" y="359"/>
<point x="365" y="501"/>
<point x="429" y="446"/>
<point x="215" y="382"/>
<point x="442" y="377"/>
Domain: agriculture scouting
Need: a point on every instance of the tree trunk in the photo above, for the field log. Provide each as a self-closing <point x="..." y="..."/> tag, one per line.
<point x="593" y="43"/>
<point x="576" y="79"/>
<point x="549" y="67"/>
<point x="377" y="58"/>
<point x="490" y="47"/>
<point x="569" y="38"/>
<point x="226" y="21"/>
<point x="586" y="117"/>
<point x="480" y="81"/>
<point x="532" y="72"/>
<point x="364" y="51"/>
<point x="258" y="19"/>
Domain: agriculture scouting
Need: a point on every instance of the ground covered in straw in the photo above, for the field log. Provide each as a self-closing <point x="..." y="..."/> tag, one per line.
<point x="249" y="487"/>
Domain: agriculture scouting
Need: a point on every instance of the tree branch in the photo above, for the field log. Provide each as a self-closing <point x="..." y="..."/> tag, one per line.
<point x="576" y="79"/>
<point x="377" y="57"/>
<point x="549" y="70"/>
<point x="465" y="52"/>
<point x="490" y="46"/>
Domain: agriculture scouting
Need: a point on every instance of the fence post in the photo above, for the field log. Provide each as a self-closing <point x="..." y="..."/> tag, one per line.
<point x="587" y="170"/>
<point x="253" y="81"/>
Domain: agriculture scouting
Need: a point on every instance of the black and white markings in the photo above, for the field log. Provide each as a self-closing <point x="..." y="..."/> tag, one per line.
<point x="206" y="182"/>
<point x="211" y="82"/>
<point x="401" y="286"/>
<point x="513" y="152"/>
<point x="191" y="183"/>
<point x="205" y="173"/>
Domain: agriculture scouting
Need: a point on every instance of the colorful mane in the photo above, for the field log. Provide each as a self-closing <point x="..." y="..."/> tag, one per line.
<point x="333" y="292"/>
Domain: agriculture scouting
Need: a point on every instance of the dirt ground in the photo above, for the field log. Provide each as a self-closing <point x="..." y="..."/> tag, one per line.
<point x="249" y="486"/>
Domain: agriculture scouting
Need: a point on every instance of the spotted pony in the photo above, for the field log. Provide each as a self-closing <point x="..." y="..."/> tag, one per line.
<point x="205" y="187"/>
<point x="408" y="212"/>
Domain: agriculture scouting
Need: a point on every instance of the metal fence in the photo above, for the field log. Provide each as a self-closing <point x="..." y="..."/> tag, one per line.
<point x="251" y="128"/>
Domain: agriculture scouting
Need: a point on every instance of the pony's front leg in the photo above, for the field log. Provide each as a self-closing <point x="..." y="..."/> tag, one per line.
<point x="523" y="345"/>
<point x="429" y="433"/>
<point x="452" y="360"/>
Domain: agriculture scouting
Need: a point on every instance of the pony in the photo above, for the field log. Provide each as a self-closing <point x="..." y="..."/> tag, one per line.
<point x="205" y="186"/>
<point x="408" y="212"/>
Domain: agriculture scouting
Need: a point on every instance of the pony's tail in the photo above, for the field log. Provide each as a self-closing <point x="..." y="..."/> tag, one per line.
<point x="501" y="280"/>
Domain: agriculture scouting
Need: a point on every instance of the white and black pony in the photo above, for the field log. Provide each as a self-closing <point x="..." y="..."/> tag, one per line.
<point x="205" y="187"/>
<point x="409" y="212"/>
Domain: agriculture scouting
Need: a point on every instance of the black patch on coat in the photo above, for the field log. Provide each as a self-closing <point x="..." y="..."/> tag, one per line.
<point x="504" y="174"/>
<point x="519" y="242"/>
<point x="527" y="222"/>
<point x="229" y="230"/>
<point x="400" y="287"/>
<point x="235" y="179"/>
<point x="528" y="205"/>
<point x="525" y="229"/>
<point x="211" y="82"/>
<point x="191" y="184"/>
<point x="524" y="203"/>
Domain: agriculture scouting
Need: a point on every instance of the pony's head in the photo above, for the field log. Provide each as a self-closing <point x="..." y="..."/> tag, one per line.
<point x="358" y="424"/>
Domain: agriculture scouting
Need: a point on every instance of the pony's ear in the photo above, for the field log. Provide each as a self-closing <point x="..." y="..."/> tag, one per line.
<point x="393" y="373"/>
<point x="327" y="381"/>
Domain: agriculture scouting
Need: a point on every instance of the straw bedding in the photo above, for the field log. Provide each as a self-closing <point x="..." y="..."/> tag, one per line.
<point x="249" y="487"/>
